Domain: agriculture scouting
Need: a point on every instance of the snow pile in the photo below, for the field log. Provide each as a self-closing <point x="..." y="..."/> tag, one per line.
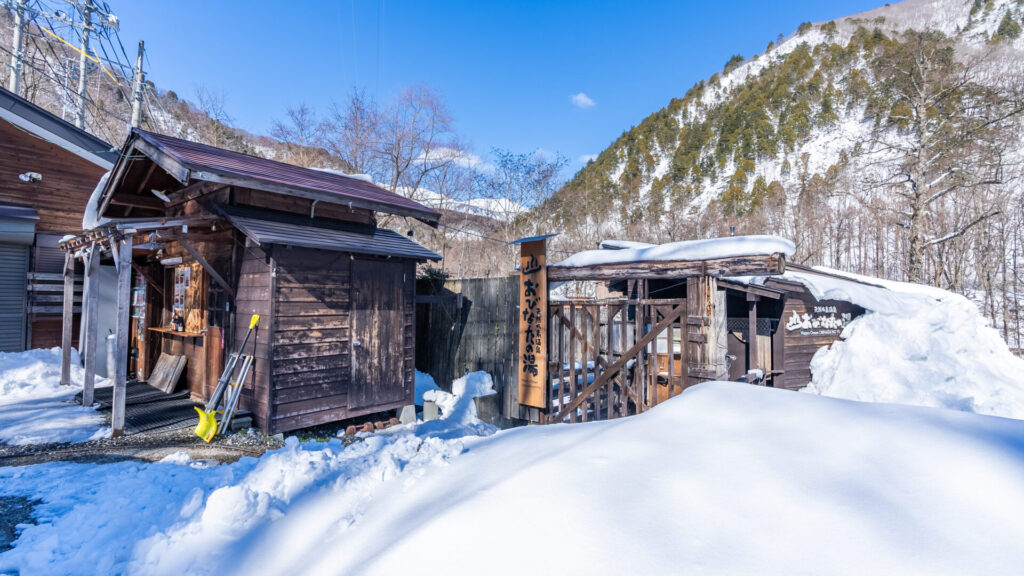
<point x="91" y="218"/>
<point x="916" y="345"/>
<point x="842" y="488"/>
<point x="423" y="382"/>
<point x="687" y="250"/>
<point x="36" y="409"/>
<point x="179" y="516"/>
<point x="622" y="244"/>
<point x="458" y="406"/>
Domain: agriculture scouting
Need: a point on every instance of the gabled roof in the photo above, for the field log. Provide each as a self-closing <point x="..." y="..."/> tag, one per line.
<point x="190" y="162"/>
<point x="39" y="122"/>
<point x="269" y="227"/>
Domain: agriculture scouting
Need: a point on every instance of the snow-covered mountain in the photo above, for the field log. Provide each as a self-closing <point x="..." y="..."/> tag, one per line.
<point x="815" y="139"/>
<point x="651" y="159"/>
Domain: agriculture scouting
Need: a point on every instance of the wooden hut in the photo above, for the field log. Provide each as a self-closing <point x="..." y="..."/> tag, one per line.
<point x="214" y="236"/>
<point x="661" y="325"/>
<point x="48" y="168"/>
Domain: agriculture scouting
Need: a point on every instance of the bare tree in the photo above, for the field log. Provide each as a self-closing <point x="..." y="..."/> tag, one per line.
<point x="352" y="133"/>
<point x="939" y="139"/>
<point x="303" y="135"/>
<point x="520" y="182"/>
<point x="415" y="138"/>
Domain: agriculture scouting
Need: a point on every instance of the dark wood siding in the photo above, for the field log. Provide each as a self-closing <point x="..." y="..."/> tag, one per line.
<point x="800" y="344"/>
<point x="68" y="180"/>
<point x="253" y="297"/>
<point x="311" y="356"/>
<point x="383" y="329"/>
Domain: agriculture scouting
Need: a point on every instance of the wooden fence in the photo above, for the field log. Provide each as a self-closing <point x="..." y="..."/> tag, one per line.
<point x="468" y="325"/>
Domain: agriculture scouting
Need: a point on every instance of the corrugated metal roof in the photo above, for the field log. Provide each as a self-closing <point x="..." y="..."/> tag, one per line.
<point x="269" y="227"/>
<point x="203" y="158"/>
<point x="28" y="116"/>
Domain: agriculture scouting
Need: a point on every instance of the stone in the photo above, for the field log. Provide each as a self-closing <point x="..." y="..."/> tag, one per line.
<point x="408" y="414"/>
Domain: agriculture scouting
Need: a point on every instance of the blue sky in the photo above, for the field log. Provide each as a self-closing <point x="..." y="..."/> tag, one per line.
<point x="508" y="71"/>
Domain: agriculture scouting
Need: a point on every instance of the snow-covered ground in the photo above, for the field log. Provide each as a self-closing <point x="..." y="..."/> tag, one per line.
<point x="724" y="479"/>
<point x="35" y="408"/>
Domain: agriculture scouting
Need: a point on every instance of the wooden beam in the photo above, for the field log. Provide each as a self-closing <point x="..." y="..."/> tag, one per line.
<point x="67" y="319"/>
<point x="170" y="164"/>
<point x="193" y="191"/>
<point x="124" y="296"/>
<point x="149" y="279"/>
<point x="135" y="201"/>
<point x="145" y="179"/>
<point x="764" y="265"/>
<point x="90" y="314"/>
<point x="206" y="266"/>
<point x="750" y="289"/>
<point x="676" y="313"/>
<point x="155" y="223"/>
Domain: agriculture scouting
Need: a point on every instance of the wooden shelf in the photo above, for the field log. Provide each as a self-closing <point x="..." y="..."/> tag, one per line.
<point x="176" y="332"/>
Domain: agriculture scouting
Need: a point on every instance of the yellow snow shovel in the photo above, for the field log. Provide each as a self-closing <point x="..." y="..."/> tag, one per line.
<point x="207" y="427"/>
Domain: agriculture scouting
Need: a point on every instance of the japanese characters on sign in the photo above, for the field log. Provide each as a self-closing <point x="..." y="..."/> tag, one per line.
<point x="818" y="321"/>
<point x="533" y="325"/>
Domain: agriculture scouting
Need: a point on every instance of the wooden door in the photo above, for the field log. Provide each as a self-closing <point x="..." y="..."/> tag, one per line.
<point x="378" y="334"/>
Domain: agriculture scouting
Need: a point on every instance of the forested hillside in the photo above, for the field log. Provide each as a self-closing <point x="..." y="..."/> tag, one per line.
<point x="886" y="143"/>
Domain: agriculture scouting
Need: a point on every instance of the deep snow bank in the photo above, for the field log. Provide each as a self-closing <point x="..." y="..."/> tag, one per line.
<point x="724" y="479"/>
<point x="178" y="516"/>
<point x="35" y="408"/>
<point x="916" y="345"/>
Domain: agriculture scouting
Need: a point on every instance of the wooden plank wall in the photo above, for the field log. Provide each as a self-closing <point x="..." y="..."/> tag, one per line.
<point x="68" y="180"/>
<point x="384" y="328"/>
<point x="481" y="335"/>
<point x="312" y="326"/>
<point x="253" y="297"/>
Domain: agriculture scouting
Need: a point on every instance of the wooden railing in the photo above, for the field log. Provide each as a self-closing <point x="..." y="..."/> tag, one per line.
<point x="614" y="358"/>
<point x="46" y="293"/>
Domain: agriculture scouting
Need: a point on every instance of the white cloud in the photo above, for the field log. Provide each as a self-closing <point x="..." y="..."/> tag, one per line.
<point x="581" y="100"/>
<point x="458" y="157"/>
<point x="587" y="158"/>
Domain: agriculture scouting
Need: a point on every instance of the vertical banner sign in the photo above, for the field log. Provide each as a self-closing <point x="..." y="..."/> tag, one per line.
<point x="533" y="324"/>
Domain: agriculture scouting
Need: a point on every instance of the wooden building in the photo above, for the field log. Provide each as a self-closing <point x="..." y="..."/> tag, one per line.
<point x="661" y="326"/>
<point x="48" y="168"/>
<point x="214" y="236"/>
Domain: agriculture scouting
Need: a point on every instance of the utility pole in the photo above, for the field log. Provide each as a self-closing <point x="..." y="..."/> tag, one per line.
<point x="137" y="86"/>
<point x="106" y="21"/>
<point x="83" y="62"/>
<point x="18" y="54"/>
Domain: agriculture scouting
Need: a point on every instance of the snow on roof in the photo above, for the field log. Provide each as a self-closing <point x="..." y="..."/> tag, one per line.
<point x="687" y="250"/>
<point x="916" y="345"/>
<point x="91" y="218"/>
<point x="622" y="244"/>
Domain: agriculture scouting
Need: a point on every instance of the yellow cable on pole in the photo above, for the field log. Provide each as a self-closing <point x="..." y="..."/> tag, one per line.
<point x="77" y="49"/>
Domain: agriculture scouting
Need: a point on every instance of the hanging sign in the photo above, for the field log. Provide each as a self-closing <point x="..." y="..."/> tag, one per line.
<point x="533" y="324"/>
<point x="819" y="320"/>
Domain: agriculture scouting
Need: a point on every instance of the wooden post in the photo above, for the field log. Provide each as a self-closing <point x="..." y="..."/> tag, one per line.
<point x="89" y="317"/>
<point x="533" y="324"/>
<point x="706" y="330"/>
<point x="124" y="293"/>
<point x="752" y="331"/>
<point x="67" y="320"/>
